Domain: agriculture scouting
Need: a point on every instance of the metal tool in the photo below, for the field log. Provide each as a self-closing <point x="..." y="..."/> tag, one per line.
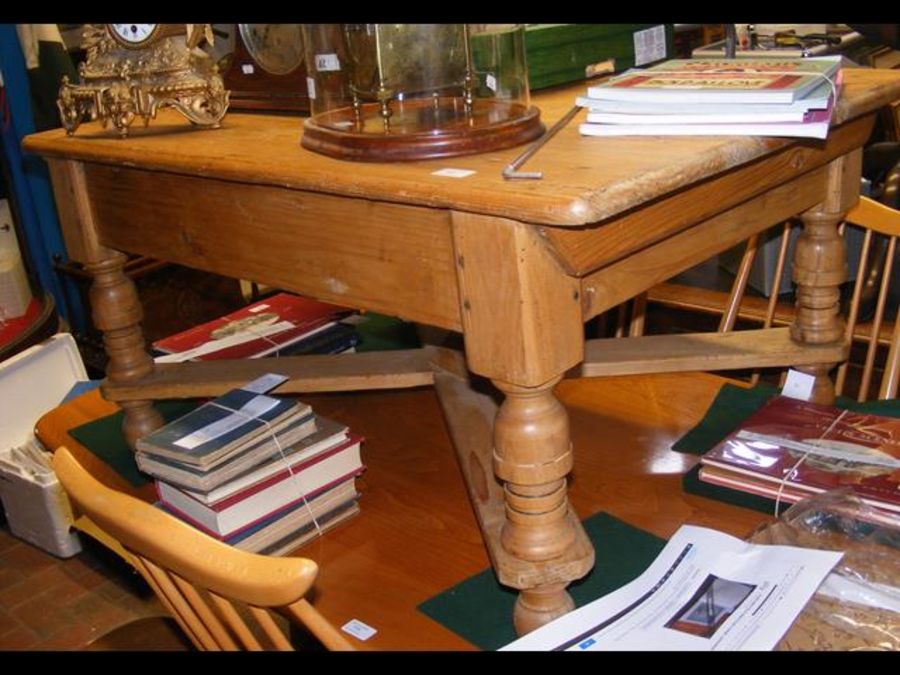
<point x="512" y="169"/>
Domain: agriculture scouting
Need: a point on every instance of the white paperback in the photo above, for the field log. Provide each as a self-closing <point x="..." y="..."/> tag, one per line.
<point x="706" y="591"/>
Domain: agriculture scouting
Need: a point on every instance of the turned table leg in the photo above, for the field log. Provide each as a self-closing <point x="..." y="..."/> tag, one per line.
<point x="533" y="455"/>
<point x="820" y="267"/>
<point x="117" y="313"/>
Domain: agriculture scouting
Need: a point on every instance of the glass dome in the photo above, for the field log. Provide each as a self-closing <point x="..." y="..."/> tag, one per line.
<point x="384" y="92"/>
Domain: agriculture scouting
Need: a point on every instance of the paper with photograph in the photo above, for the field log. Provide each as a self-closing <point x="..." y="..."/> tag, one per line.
<point x="706" y="591"/>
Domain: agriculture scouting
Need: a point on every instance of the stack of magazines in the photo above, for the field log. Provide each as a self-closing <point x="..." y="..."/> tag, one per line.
<point x="262" y="473"/>
<point x="791" y="97"/>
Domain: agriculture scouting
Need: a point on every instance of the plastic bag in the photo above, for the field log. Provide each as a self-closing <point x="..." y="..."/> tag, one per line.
<point x="857" y="607"/>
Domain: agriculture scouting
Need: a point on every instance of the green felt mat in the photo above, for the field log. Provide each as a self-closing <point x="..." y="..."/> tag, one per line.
<point x="104" y="438"/>
<point x="479" y="609"/>
<point x="731" y="406"/>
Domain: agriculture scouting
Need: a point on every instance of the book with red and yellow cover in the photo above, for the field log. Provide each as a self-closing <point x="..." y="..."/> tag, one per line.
<point x="801" y="447"/>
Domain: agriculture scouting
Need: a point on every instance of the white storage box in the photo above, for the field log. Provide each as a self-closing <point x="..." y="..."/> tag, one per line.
<point x="32" y="383"/>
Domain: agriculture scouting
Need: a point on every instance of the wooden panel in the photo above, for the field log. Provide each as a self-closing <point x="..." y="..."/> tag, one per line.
<point x="585" y="179"/>
<point x="626" y="278"/>
<point x="521" y="312"/>
<point x="586" y="249"/>
<point x="370" y="255"/>
<point x="762" y="348"/>
<point x="340" y="372"/>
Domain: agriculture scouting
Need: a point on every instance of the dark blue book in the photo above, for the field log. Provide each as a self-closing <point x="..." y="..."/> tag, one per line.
<point x="223" y="426"/>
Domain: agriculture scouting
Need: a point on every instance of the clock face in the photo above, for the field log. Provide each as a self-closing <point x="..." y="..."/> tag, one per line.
<point x="133" y="34"/>
<point x="277" y="48"/>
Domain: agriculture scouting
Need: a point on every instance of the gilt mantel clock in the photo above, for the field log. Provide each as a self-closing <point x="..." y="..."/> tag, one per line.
<point x="132" y="70"/>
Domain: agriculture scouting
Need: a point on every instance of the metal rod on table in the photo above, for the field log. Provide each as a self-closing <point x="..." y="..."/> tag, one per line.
<point x="512" y="169"/>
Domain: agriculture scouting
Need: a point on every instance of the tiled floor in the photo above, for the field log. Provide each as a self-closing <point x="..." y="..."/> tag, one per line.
<point x="49" y="603"/>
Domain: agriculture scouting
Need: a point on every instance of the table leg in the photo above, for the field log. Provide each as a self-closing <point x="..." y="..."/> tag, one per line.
<point x="523" y="328"/>
<point x="533" y="455"/>
<point x="117" y="313"/>
<point x="820" y="267"/>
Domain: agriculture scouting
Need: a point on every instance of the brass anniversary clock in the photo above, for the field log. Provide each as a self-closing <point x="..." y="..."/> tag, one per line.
<point x="133" y="69"/>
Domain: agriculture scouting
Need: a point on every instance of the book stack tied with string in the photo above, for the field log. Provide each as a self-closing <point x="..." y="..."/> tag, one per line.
<point x="790" y="449"/>
<point x="262" y="473"/>
<point x="791" y="97"/>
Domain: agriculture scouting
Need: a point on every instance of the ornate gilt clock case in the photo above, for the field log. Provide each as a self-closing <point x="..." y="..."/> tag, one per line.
<point x="133" y="70"/>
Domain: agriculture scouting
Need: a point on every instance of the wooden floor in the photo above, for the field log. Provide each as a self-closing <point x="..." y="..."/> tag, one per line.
<point x="416" y="534"/>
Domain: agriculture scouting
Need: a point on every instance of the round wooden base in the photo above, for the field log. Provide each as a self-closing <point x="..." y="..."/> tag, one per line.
<point x="421" y="129"/>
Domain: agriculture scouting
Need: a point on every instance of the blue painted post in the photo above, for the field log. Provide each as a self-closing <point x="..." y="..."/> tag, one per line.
<point x="31" y="185"/>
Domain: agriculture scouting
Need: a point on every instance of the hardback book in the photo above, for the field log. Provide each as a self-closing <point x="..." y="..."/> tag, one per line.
<point x="758" y="80"/>
<point x="261" y="500"/>
<point x="801" y="447"/>
<point x="246" y="467"/>
<point x="295" y="519"/>
<point x="816" y="99"/>
<point x="228" y="425"/>
<point x="260" y="329"/>
<point x="815" y="124"/>
<point x="307" y="533"/>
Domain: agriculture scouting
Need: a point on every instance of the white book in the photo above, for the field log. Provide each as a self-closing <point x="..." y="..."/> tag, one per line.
<point x="763" y="80"/>
<point x="817" y="99"/>
<point x="814" y="125"/>
<point x="779" y="129"/>
<point x="696" y="118"/>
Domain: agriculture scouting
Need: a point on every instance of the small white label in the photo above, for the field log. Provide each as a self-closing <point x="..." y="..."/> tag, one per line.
<point x="255" y="407"/>
<point x="649" y="45"/>
<point x="258" y="308"/>
<point x="491" y="82"/>
<point x="326" y="63"/>
<point x="358" y="629"/>
<point x="311" y="88"/>
<point x="265" y="383"/>
<point x="453" y="173"/>
<point x="798" y="385"/>
<point x="247" y="68"/>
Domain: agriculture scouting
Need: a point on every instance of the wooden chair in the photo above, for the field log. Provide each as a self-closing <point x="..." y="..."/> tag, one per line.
<point x="222" y="598"/>
<point x="879" y="335"/>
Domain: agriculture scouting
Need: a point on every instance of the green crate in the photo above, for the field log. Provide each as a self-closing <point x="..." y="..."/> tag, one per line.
<point x="560" y="53"/>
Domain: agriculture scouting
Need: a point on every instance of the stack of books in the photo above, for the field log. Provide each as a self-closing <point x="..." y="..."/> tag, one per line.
<point x="282" y="325"/>
<point x="791" y="449"/>
<point x="262" y="473"/>
<point x="717" y="97"/>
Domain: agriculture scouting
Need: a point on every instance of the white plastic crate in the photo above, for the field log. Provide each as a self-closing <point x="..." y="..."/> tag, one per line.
<point x="32" y="383"/>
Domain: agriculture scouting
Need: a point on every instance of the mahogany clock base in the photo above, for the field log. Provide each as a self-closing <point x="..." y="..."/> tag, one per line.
<point x="421" y="129"/>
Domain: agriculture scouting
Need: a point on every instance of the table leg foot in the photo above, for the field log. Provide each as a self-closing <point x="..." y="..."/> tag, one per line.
<point x="538" y="606"/>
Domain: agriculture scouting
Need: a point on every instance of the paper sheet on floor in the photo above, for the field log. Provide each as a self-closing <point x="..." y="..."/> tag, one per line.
<point x="706" y="591"/>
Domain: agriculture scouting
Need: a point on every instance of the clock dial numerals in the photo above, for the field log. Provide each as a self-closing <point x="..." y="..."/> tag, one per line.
<point x="277" y="48"/>
<point x="133" y="34"/>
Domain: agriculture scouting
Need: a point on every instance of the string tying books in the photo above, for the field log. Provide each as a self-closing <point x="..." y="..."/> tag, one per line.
<point x="293" y="476"/>
<point x="790" y="473"/>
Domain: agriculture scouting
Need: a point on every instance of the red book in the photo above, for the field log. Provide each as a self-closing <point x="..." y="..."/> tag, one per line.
<point x="290" y="487"/>
<point x="812" y="448"/>
<point x="253" y="331"/>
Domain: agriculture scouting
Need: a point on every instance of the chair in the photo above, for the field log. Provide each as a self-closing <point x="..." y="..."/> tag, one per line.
<point x="869" y="297"/>
<point x="222" y="598"/>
